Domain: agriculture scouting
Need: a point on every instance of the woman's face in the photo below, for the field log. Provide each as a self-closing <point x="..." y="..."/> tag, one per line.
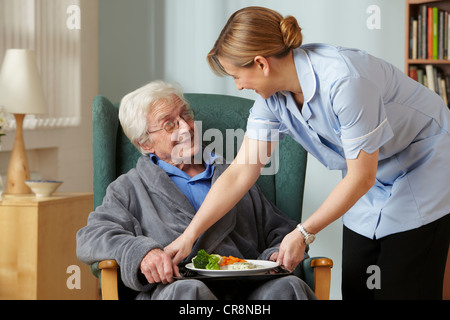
<point x="256" y="77"/>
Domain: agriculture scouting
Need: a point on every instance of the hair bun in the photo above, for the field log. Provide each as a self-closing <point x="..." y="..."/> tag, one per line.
<point x="292" y="33"/>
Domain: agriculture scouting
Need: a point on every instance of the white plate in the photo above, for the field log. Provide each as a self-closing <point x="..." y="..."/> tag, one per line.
<point x="265" y="266"/>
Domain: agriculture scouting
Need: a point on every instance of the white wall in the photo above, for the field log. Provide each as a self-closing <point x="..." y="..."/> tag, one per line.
<point x="143" y="40"/>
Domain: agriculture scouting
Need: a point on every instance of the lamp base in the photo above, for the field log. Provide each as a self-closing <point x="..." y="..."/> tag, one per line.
<point x="18" y="171"/>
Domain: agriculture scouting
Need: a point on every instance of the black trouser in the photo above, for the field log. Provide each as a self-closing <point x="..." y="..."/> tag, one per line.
<point x="405" y="265"/>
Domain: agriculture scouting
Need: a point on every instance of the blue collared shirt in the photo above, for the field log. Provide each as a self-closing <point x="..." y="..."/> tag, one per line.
<point x="352" y="102"/>
<point x="195" y="188"/>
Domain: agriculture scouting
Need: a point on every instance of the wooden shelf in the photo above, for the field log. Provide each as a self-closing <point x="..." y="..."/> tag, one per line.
<point x="426" y="61"/>
<point x="422" y="1"/>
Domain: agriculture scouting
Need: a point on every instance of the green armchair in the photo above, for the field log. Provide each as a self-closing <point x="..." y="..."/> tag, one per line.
<point x="113" y="154"/>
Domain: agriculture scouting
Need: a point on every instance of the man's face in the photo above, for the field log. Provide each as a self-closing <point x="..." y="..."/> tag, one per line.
<point x="180" y="145"/>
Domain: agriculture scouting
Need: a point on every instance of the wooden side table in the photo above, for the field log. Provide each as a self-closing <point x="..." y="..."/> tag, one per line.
<point x="38" y="247"/>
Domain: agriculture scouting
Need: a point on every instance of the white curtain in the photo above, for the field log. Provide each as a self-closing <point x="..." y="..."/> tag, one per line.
<point x="41" y="25"/>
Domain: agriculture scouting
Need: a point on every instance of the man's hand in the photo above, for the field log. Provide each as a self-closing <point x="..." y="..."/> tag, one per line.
<point x="274" y="256"/>
<point x="157" y="266"/>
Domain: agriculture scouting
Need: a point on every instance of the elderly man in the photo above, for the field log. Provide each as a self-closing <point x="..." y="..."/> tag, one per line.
<point x="147" y="208"/>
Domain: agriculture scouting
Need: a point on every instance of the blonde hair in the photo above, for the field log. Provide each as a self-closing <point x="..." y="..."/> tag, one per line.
<point x="251" y="32"/>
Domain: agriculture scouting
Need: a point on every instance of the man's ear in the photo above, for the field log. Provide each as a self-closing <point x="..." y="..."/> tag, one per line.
<point x="146" y="147"/>
<point x="262" y="64"/>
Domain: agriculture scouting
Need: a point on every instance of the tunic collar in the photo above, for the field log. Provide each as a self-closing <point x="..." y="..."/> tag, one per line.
<point x="305" y="73"/>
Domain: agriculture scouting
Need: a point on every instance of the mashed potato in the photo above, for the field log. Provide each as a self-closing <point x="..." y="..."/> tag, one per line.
<point x="240" y="266"/>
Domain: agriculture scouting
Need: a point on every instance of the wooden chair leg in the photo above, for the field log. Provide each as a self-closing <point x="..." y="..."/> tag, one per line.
<point x="322" y="277"/>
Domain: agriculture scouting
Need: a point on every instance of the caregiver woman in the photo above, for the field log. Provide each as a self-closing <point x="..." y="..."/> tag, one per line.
<point x="387" y="133"/>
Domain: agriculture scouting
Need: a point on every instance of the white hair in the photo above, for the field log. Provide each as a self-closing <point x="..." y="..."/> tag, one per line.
<point x="136" y="105"/>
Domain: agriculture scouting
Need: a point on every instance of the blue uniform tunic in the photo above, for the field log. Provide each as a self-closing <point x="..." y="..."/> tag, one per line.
<point x="352" y="102"/>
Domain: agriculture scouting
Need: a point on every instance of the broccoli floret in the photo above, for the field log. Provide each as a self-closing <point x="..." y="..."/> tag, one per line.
<point x="201" y="260"/>
<point x="206" y="261"/>
<point x="213" y="263"/>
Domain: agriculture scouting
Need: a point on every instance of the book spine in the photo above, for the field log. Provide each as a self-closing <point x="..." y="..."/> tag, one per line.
<point x="424" y="9"/>
<point x="430" y="76"/>
<point x="435" y="33"/>
<point x="445" y="35"/>
<point x="414" y="39"/>
<point x="430" y="33"/>
<point x="440" y="36"/>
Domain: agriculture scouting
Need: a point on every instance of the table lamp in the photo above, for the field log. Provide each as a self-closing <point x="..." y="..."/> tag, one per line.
<point x="20" y="94"/>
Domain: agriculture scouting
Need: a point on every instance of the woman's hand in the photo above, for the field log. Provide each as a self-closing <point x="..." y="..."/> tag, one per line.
<point x="180" y="248"/>
<point x="292" y="250"/>
<point x="361" y="174"/>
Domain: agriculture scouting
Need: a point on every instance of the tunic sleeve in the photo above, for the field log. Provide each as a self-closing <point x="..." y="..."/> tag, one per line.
<point x="262" y="123"/>
<point x="359" y="106"/>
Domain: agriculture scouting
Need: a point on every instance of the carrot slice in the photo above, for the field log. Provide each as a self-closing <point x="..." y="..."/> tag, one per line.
<point x="230" y="260"/>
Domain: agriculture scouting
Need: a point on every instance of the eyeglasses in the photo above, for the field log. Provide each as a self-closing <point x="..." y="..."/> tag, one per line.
<point x="172" y="125"/>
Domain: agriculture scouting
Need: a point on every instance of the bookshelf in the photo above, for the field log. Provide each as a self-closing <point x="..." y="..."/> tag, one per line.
<point x="413" y="8"/>
<point x="427" y="44"/>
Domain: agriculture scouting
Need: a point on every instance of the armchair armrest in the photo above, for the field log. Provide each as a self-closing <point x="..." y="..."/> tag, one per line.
<point x="318" y="275"/>
<point x="109" y="279"/>
<point x="108" y="264"/>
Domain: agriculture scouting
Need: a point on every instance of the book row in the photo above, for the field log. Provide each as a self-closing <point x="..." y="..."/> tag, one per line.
<point x="429" y="34"/>
<point x="433" y="78"/>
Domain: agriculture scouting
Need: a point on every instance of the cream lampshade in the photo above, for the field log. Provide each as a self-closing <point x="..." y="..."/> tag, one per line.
<point x="20" y="94"/>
